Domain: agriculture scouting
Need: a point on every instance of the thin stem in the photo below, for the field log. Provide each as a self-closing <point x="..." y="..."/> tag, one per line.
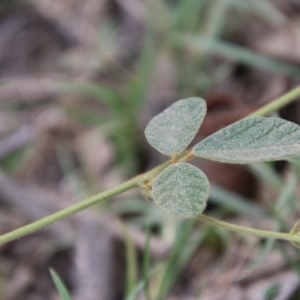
<point x="40" y="224"/>
<point x="246" y="230"/>
<point x="278" y="103"/>
<point x="35" y="226"/>
<point x="150" y="175"/>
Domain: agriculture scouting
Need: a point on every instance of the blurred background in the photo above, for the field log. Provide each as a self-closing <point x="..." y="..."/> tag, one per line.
<point x="79" y="81"/>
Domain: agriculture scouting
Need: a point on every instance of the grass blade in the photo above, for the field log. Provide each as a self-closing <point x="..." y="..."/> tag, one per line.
<point x="60" y="286"/>
<point x="236" y="53"/>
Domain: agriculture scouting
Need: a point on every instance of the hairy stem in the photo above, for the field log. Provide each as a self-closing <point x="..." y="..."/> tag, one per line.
<point x="40" y="224"/>
<point x="149" y="176"/>
<point x="278" y="103"/>
<point x="35" y="226"/>
<point x="246" y="230"/>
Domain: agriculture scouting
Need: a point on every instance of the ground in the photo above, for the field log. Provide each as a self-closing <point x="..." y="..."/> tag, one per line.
<point x="79" y="81"/>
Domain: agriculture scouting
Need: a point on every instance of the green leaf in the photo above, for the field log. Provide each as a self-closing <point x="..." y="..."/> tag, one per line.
<point x="171" y="131"/>
<point x="182" y="190"/>
<point x="62" y="290"/>
<point x="252" y="140"/>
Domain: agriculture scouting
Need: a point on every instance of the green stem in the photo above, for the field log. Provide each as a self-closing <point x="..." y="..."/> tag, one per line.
<point x="35" y="226"/>
<point x="278" y="103"/>
<point x="246" y="230"/>
<point x="40" y="224"/>
<point x="150" y="175"/>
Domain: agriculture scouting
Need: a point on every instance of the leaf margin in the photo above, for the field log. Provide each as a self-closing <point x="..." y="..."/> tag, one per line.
<point x="156" y="194"/>
<point x="291" y="151"/>
<point x="162" y="126"/>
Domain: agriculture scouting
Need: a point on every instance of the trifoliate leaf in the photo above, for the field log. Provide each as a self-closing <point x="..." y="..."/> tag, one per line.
<point x="171" y="131"/>
<point x="252" y="140"/>
<point x="181" y="189"/>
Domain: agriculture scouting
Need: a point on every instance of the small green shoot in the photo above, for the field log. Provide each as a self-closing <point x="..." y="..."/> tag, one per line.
<point x="60" y="286"/>
<point x="131" y="264"/>
<point x="182" y="189"/>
